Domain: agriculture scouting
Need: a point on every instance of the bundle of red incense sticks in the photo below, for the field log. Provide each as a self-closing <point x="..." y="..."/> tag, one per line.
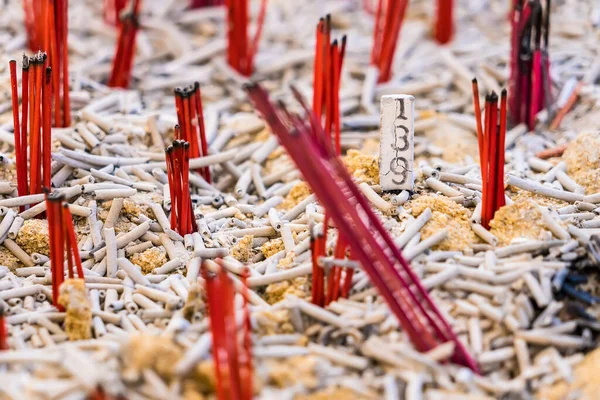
<point x="388" y="22"/>
<point x="47" y="27"/>
<point x="491" y="139"/>
<point x="329" y="58"/>
<point x="112" y="11"/>
<point x="190" y="116"/>
<point x="529" y="82"/>
<point x="233" y="362"/>
<point x="240" y="50"/>
<point x="369" y="241"/>
<point x="36" y="94"/>
<point x="62" y="235"/>
<point x="444" y="23"/>
<point x="339" y="280"/>
<point x="178" y="170"/>
<point x="120" y="75"/>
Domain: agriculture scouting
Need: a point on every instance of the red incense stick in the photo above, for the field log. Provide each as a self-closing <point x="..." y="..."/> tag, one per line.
<point x="444" y="24"/>
<point x="388" y="23"/>
<point x="231" y="353"/>
<point x="241" y="51"/>
<point x="21" y="179"/>
<point x="57" y="248"/>
<point x="120" y="75"/>
<point x="3" y="330"/>
<point x="112" y="11"/>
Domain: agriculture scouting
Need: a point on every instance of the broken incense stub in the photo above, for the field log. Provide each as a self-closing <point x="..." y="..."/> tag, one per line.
<point x="397" y="134"/>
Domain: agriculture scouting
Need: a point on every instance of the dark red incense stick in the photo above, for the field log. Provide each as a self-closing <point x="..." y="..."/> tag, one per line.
<point x="444" y="24"/>
<point x="112" y="11"/>
<point x="233" y="364"/>
<point x="240" y="50"/>
<point x="370" y="242"/>
<point x="3" y="331"/>
<point x="529" y="81"/>
<point x="206" y="3"/>
<point x="388" y="23"/>
<point x="57" y="244"/>
<point x="120" y="75"/>
<point x="21" y="178"/>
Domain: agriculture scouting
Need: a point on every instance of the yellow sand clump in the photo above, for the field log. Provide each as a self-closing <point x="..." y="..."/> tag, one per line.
<point x="149" y="259"/>
<point x="74" y="298"/>
<point x="520" y="220"/>
<point x="8" y="259"/>
<point x="446" y="214"/>
<point x="291" y="371"/>
<point x="272" y="322"/>
<point x="333" y="393"/>
<point x="194" y="302"/>
<point x="298" y="193"/>
<point x="582" y="157"/>
<point x="585" y="384"/>
<point x="276" y="292"/>
<point x="242" y="250"/>
<point x="33" y="237"/>
<point x="131" y="208"/>
<point x="271" y="247"/>
<point x="362" y="167"/>
<point x="158" y="353"/>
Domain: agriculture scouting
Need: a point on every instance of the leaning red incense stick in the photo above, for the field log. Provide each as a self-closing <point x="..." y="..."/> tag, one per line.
<point x="369" y="240"/>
